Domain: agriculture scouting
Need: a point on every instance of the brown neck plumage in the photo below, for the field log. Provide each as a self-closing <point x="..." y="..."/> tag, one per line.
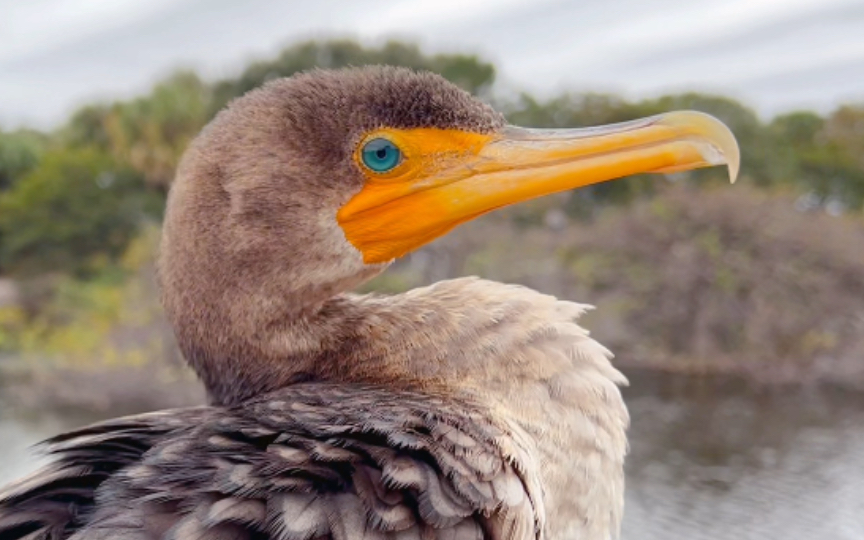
<point x="253" y="260"/>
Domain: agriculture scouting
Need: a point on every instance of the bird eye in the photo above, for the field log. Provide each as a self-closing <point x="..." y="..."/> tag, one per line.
<point x="380" y="155"/>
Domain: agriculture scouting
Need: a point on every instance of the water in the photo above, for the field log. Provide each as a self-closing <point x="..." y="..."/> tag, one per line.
<point x="716" y="459"/>
<point x="17" y="456"/>
<point x="710" y="459"/>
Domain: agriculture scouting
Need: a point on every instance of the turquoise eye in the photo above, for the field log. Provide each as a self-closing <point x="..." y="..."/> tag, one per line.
<point x="380" y="155"/>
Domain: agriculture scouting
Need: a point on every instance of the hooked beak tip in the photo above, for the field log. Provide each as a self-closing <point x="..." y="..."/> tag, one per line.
<point x="716" y="142"/>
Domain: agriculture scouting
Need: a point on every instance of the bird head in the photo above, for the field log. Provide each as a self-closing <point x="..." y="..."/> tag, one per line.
<point x="308" y="186"/>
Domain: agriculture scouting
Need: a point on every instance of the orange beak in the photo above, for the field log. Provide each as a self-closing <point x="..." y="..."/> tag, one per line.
<point x="449" y="177"/>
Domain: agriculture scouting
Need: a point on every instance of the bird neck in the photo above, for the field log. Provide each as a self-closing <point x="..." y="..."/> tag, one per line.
<point x="516" y="352"/>
<point x="397" y="341"/>
<point x="466" y="335"/>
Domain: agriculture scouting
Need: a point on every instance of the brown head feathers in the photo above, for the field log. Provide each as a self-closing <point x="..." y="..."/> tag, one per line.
<point x="466" y="410"/>
<point x="251" y="248"/>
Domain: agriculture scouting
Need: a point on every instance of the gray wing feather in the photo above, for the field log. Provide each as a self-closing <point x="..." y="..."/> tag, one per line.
<point x="310" y="462"/>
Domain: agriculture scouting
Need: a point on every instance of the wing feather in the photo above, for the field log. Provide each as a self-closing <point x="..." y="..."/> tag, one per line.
<point x="310" y="462"/>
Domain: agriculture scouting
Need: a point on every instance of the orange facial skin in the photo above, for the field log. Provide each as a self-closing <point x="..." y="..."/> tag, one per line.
<point x="447" y="177"/>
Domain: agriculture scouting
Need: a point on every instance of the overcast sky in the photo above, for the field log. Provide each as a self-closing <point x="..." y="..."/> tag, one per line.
<point x="775" y="55"/>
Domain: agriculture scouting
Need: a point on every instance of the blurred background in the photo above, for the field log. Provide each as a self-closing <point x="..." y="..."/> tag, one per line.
<point x="737" y="312"/>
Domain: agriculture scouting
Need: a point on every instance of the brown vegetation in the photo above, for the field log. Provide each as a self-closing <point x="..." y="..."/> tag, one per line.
<point x="695" y="280"/>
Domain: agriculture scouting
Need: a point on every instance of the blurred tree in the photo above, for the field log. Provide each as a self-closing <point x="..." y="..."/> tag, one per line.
<point x="845" y="126"/>
<point x="75" y="210"/>
<point x="844" y="129"/>
<point x="87" y="128"/>
<point x="19" y="153"/>
<point x="148" y="133"/>
<point x="467" y="71"/>
<point x="820" y="156"/>
<point x="569" y="110"/>
<point x="794" y="133"/>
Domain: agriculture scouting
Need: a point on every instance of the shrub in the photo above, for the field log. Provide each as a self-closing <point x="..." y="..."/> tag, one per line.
<point x="75" y="211"/>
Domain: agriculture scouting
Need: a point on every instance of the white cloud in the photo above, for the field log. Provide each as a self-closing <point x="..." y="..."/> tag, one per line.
<point x="39" y="25"/>
<point x="55" y="54"/>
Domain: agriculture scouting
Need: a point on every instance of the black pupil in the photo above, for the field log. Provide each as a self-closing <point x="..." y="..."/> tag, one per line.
<point x="381" y="153"/>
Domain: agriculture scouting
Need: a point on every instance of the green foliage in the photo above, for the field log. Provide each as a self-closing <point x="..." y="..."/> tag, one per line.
<point x="148" y="133"/>
<point x="844" y="131"/>
<point x="845" y="126"/>
<point x="87" y="128"/>
<point x="19" y="154"/>
<point x="823" y="153"/>
<point x="101" y="319"/>
<point x="13" y="322"/>
<point x="76" y="210"/>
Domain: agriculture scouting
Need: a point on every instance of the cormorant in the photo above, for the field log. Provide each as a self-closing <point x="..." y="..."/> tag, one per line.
<point x="466" y="410"/>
